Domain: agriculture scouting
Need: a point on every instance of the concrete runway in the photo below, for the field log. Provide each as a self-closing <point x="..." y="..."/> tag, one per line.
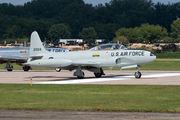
<point x="111" y="77"/>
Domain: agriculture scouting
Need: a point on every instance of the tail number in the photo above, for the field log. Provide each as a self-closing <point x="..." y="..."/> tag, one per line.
<point x="37" y="49"/>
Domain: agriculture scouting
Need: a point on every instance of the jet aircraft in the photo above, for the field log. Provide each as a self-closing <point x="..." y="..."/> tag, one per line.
<point x="105" y="55"/>
<point x="20" y="55"/>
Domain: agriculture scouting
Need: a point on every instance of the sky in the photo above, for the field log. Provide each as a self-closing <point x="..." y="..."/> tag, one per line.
<point x="94" y="2"/>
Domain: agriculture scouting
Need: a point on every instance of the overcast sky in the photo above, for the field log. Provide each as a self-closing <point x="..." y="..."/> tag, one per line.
<point x="94" y="2"/>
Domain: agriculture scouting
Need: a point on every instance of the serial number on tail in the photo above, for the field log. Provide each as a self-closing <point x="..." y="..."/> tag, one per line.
<point x="37" y="49"/>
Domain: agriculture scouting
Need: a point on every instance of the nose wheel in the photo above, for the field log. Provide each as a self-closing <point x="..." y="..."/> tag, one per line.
<point x="137" y="73"/>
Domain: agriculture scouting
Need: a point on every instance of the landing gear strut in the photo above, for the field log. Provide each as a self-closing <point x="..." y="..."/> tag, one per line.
<point x="79" y="73"/>
<point x="137" y="73"/>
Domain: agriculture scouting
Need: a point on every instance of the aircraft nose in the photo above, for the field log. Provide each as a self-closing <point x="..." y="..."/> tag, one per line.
<point x="152" y="57"/>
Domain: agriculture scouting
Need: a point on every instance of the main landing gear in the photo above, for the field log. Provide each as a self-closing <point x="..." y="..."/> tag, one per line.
<point x="98" y="72"/>
<point x="9" y="67"/>
<point x="137" y="73"/>
<point x="58" y="69"/>
<point x="79" y="73"/>
<point x="26" y="68"/>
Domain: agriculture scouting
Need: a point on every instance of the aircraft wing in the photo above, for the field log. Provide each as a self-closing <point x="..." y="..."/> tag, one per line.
<point x="85" y="62"/>
<point x="4" y="59"/>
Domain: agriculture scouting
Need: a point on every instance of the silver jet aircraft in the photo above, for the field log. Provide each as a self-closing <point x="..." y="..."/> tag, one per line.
<point x="20" y="55"/>
<point x="106" y="55"/>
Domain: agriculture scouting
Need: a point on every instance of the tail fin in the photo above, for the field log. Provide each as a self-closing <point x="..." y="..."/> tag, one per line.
<point x="36" y="48"/>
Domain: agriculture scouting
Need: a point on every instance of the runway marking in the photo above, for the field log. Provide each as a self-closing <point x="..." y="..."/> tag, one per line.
<point x="109" y="79"/>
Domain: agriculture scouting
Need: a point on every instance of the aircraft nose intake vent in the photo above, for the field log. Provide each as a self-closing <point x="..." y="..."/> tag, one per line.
<point x="118" y="61"/>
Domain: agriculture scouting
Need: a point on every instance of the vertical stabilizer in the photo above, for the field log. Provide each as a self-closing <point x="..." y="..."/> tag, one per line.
<point x="36" y="47"/>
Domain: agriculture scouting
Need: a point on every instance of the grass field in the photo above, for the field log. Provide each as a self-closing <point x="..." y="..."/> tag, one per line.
<point x="171" y="55"/>
<point x="131" y="98"/>
<point x="156" y="65"/>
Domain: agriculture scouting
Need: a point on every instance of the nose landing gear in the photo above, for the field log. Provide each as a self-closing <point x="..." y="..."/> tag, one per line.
<point x="137" y="73"/>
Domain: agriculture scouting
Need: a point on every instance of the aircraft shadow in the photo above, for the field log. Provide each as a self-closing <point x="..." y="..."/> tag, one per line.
<point x="72" y="78"/>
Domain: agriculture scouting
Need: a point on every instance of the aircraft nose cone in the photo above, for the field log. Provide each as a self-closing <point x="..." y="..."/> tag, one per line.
<point x="152" y="57"/>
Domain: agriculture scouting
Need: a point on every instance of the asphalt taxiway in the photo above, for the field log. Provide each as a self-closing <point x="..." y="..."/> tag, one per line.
<point x="67" y="115"/>
<point x="111" y="77"/>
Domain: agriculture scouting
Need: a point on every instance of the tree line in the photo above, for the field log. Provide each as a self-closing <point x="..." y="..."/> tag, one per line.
<point x="75" y="19"/>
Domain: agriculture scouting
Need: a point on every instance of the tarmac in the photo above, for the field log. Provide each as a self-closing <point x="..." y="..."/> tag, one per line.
<point x="114" y="77"/>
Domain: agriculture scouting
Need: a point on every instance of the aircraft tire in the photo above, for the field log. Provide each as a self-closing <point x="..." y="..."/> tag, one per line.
<point x="58" y="69"/>
<point x="81" y="77"/>
<point x="26" y="68"/>
<point x="137" y="75"/>
<point x="10" y="68"/>
<point x="97" y="75"/>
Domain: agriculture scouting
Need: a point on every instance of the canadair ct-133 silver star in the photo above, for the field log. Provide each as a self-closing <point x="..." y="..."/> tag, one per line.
<point x="102" y="56"/>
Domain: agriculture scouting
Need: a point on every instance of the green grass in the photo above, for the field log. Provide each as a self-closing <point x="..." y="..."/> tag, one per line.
<point x="137" y="98"/>
<point x="162" y="65"/>
<point x="170" y="55"/>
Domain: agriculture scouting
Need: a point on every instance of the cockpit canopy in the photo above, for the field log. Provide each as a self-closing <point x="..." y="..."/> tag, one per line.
<point x="109" y="46"/>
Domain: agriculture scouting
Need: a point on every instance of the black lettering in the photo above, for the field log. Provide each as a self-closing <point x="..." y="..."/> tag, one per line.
<point x="121" y="54"/>
<point x="125" y="53"/>
<point x="117" y="54"/>
<point x="37" y="49"/>
<point x="135" y="53"/>
<point x="132" y="54"/>
<point x="112" y="54"/>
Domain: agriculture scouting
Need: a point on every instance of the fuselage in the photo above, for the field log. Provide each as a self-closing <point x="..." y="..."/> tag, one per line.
<point x="103" y="58"/>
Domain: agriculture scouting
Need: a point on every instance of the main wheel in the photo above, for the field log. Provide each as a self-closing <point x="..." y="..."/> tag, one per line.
<point x="10" y="68"/>
<point x="137" y="75"/>
<point x="58" y="69"/>
<point x="26" y="68"/>
<point x="98" y="75"/>
<point x="81" y="77"/>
